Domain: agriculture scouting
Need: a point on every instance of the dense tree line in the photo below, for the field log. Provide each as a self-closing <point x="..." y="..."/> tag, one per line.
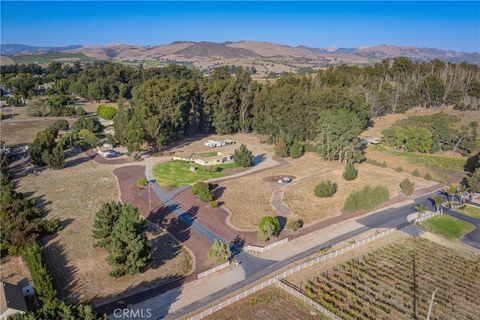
<point x="325" y="112"/>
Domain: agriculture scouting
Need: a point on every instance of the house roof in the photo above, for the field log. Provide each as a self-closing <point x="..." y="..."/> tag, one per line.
<point x="11" y="297"/>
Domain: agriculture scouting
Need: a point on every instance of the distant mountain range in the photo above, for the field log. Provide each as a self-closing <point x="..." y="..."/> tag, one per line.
<point x="265" y="56"/>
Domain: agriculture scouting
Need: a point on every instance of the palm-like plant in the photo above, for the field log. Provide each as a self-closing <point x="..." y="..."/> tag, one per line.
<point x="421" y="208"/>
<point x="438" y="200"/>
<point x="451" y="190"/>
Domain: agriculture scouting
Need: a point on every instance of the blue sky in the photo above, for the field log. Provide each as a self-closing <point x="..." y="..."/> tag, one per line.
<point x="445" y="25"/>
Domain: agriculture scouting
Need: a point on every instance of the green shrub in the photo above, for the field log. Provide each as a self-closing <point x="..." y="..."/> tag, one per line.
<point x="206" y="196"/>
<point x="281" y="147"/>
<point x="350" y="173"/>
<point x="213" y="204"/>
<point x="366" y="199"/>
<point x="80" y="112"/>
<point x="42" y="278"/>
<point x="243" y="157"/>
<point x="407" y="187"/>
<point x="210" y="169"/>
<point x="219" y="252"/>
<point x="200" y="186"/>
<point x="428" y="176"/>
<point x="325" y="189"/>
<point x="294" y="225"/>
<point x="384" y="164"/>
<point x="106" y="112"/>
<point x="142" y="182"/>
<point x="269" y="227"/>
<point x="296" y="150"/>
<point x="51" y="226"/>
<point x="416" y="173"/>
<point x="399" y="169"/>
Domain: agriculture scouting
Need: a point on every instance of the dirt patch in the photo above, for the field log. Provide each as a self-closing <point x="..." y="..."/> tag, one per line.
<point x="74" y="194"/>
<point x="277" y="178"/>
<point x="102" y="160"/>
<point x="269" y="303"/>
<point x="23" y="131"/>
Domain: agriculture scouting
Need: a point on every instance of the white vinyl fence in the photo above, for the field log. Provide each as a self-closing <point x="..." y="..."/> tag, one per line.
<point x="263" y="249"/>
<point x="275" y="279"/>
<point x="291" y="290"/>
<point x="428" y="216"/>
<point x="210" y="271"/>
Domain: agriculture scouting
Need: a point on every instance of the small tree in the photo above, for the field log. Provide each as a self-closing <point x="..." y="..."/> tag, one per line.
<point x="269" y="227"/>
<point x="80" y="112"/>
<point x="199" y="186"/>
<point x="128" y="248"/>
<point x="243" y="157"/>
<point x="105" y="220"/>
<point x="202" y="189"/>
<point x="407" y="187"/>
<point x="474" y="181"/>
<point x="296" y="150"/>
<point x="451" y="190"/>
<point x="55" y="159"/>
<point x="416" y="173"/>
<point x="438" y="200"/>
<point x="106" y="112"/>
<point x="219" y="252"/>
<point x="325" y="189"/>
<point x="421" y="208"/>
<point x="281" y="147"/>
<point x="350" y="172"/>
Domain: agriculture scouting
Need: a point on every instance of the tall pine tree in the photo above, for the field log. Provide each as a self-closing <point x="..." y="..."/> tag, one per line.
<point x="104" y="222"/>
<point x="128" y="248"/>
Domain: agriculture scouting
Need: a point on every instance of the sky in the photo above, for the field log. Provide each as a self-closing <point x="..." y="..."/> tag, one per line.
<point x="443" y="25"/>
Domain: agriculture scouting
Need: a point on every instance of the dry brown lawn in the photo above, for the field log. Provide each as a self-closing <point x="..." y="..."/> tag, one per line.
<point x="74" y="194"/>
<point x="14" y="270"/>
<point x="22" y="131"/>
<point x="249" y="198"/>
<point x="269" y="303"/>
<point x="384" y="122"/>
<point x="302" y="200"/>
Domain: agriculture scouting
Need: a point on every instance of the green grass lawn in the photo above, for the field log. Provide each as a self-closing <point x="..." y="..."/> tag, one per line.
<point x="470" y="211"/>
<point x="177" y="173"/>
<point x="447" y="226"/>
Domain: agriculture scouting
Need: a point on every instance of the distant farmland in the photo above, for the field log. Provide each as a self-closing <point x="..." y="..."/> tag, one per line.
<point x="46" y="58"/>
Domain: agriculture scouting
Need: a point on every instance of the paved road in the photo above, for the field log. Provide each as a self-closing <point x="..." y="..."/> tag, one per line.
<point x="473" y="237"/>
<point x="256" y="268"/>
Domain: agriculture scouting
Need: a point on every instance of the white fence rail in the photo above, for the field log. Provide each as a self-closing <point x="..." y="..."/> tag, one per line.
<point x="263" y="249"/>
<point x="307" y="300"/>
<point x="210" y="271"/>
<point x="428" y="216"/>
<point x="289" y="272"/>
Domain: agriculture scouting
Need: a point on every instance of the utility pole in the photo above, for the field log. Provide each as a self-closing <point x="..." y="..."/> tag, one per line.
<point x="431" y="304"/>
<point x="149" y="187"/>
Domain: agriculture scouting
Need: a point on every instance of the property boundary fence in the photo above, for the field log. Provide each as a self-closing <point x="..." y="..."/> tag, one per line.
<point x="291" y="290"/>
<point x="276" y="279"/>
<point x="428" y="216"/>
<point x="263" y="249"/>
<point x="210" y="271"/>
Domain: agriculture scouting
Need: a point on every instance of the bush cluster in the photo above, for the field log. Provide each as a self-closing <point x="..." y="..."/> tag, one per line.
<point x="366" y="199"/>
<point x="269" y="228"/>
<point x="376" y="163"/>
<point x="325" y="189"/>
<point x="294" y="225"/>
<point x="106" y="112"/>
<point x="407" y="187"/>
<point x="203" y="191"/>
<point x="350" y="172"/>
<point x="142" y="182"/>
<point x="416" y="173"/>
<point x="399" y="169"/>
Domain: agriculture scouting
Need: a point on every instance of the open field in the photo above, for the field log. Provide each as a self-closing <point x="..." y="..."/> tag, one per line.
<point x="74" y="194"/>
<point x="270" y="303"/>
<point x="470" y="211"/>
<point x="178" y="173"/>
<point x="47" y="58"/>
<point x="13" y="270"/>
<point x="447" y="226"/>
<point x="249" y="198"/>
<point x="395" y="281"/>
<point x="384" y="122"/>
<point x="23" y="132"/>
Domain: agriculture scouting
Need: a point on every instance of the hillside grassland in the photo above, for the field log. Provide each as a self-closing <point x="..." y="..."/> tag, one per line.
<point x="396" y="282"/>
<point x="81" y="273"/>
<point x="47" y="58"/>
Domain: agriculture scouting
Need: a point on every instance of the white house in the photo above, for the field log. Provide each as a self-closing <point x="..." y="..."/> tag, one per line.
<point x="218" y="143"/>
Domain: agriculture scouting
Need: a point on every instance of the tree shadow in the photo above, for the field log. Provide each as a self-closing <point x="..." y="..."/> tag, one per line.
<point x="64" y="274"/>
<point x="283" y="222"/>
<point x="164" y="248"/>
<point x="472" y="163"/>
<point x="259" y="158"/>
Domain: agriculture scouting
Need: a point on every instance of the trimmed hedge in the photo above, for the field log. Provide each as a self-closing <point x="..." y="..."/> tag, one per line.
<point x="42" y="278"/>
<point x="366" y="199"/>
